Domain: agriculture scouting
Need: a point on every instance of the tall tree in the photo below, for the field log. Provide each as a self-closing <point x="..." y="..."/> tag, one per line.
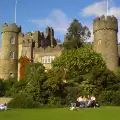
<point x="35" y="76"/>
<point x="76" y="35"/>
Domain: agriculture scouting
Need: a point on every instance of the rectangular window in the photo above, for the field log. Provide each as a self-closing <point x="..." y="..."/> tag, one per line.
<point x="47" y="59"/>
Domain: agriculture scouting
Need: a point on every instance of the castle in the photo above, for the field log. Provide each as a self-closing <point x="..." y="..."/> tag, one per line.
<point x="44" y="48"/>
<point x="105" y="31"/>
<point x="36" y="46"/>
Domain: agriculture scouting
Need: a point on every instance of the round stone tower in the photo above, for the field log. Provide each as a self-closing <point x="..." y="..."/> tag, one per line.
<point x="105" y="31"/>
<point x="9" y="51"/>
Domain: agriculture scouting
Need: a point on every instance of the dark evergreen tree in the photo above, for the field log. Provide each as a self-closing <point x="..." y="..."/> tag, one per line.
<point x="76" y="35"/>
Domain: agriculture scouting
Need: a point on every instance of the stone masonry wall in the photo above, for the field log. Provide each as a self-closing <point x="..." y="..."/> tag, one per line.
<point x="105" y="39"/>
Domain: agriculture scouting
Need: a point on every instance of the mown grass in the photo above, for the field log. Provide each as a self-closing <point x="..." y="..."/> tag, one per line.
<point x="103" y="113"/>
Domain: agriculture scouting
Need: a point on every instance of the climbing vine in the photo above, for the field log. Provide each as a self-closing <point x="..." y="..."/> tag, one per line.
<point x="23" y="62"/>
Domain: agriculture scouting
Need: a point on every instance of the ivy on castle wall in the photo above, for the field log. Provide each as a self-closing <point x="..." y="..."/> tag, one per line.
<point x="23" y="62"/>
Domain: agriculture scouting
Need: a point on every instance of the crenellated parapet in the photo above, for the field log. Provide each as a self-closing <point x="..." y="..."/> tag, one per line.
<point x="37" y="35"/>
<point x="105" y="23"/>
<point x="38" y="39"/>
<point x="27" y="36"/>
<point x="20" y="38"/>
<point x="105" y="31"/>
<point x="11" y="28"/>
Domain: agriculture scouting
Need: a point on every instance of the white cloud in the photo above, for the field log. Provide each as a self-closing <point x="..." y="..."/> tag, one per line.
<point x="56" y="19"/>
<point x="96" y="9"/>
<point x="91" y="30"/>
<point x="115" y="11"/>
<point x="99" y="8"/>
<point x="92" y="37"/>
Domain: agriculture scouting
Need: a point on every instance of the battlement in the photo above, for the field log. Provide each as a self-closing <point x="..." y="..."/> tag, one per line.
<point x="28" y="34"/>
<point x="11" y="28"/>
<point x="103" y="23"/>
<point x="37" y="38"/>
<point x="49" y="32"/>
<point x="21" y="35"/>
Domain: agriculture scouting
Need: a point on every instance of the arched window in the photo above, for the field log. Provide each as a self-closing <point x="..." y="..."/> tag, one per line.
<point x="12" y="40"/>
<point x="12" y="55"/>
<point x="11" y="75"/>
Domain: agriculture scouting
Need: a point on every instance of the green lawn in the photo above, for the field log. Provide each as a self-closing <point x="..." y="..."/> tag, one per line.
<point x="103" y="113"/>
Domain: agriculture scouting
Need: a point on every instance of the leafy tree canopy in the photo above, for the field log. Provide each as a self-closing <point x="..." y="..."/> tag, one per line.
<point x="103" y="79"/>
<point x="79" y="61"/>
<point x="76" y="35"/>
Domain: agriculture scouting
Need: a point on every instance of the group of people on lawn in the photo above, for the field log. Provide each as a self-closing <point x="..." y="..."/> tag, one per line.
<point x="86" y="101"/>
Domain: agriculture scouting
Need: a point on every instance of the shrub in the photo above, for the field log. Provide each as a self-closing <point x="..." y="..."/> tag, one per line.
<point x="116" y="98"/>
<point x="2" y="90"/>
<point x="71" y="94"/>
<point x="14" y="88"/>
<point x="21" y="101"/>
<point x="54" y="101"/>
<point x="109" y="98"/>
<point x="105" y="98"/>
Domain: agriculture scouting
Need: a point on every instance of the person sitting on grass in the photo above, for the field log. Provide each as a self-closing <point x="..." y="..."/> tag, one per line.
<point x="80" y="100"/>
<point x="3" y="106"/>
<point x="85" y="101"/>
<point x="93" y="101"/>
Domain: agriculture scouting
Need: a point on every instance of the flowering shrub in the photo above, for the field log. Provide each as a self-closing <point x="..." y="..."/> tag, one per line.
<point x="23" y="62"/>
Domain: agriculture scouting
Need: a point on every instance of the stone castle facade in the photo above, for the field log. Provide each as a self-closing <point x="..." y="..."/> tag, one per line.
<point x="105" y="31"/>
<point x="44" y="48"/>
<point x="36" y="46"/>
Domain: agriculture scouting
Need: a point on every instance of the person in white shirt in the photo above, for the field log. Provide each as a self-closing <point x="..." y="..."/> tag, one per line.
<point x="93" y="101"/>
<point x="3" y="107"/>
<point x="80" y="100"/>
<point x="92" y="98"/>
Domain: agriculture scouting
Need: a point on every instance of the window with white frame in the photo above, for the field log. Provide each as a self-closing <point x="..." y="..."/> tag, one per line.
<point x="47" y="59"/>
<point x="12" y="40"/>
<point x="12" y="55"/>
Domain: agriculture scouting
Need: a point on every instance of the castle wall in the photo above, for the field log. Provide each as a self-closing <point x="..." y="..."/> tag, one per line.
<point x="27" y="45"/>
<point x="105" y="40"/>
<point x="39" y="53"/>
<point x="7" y="67"/>
<point x="19" y="55"/>
<point x="27" y="51"/>
<point x="9" y="51"/>
<point x="31" y="44"/>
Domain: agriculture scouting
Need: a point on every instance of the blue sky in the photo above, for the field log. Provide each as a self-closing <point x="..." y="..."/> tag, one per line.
<point x="35" y="15"/>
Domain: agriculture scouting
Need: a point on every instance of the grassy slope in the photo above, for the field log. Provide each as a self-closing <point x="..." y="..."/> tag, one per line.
<point x="103" y="113"/>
